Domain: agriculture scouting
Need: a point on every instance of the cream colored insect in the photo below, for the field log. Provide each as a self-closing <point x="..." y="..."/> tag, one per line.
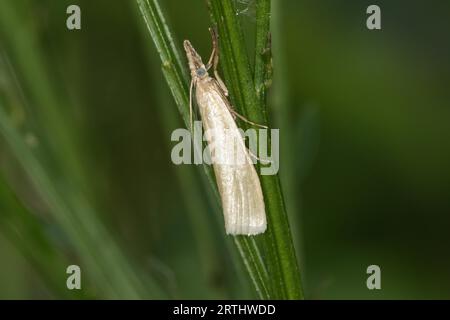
<point x="237" y="181"/>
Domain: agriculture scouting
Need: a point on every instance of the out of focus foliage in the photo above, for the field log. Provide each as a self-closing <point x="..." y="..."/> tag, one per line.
<point x="86" y="176"/>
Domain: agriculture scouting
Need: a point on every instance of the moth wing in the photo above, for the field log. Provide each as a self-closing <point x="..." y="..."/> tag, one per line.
<point x="242" y="199"/>
<point x="236" y="177"/>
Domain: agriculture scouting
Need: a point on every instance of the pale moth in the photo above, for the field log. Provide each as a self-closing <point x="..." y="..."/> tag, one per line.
<point x="237" y="180"/>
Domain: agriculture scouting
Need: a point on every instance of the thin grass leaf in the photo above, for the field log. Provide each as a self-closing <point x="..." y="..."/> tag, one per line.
<point x="25" y="231"/>
<point x="277" y="241"/>
<point x="263" y="57"/>
<point x="112" y="272"/>
<point x="26" y="55"/>
<point x="174" y="70"/>
<point x="54" y="171"/>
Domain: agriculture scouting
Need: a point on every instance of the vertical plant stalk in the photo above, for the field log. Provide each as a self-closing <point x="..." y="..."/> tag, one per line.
<point x="237" y="72"/>
<point x="172" y="66"/>
<point x="274" y="275"/>
<point x="263" y="57"/>
<point x="174" y="71"/>
<point x="280" y="259"/>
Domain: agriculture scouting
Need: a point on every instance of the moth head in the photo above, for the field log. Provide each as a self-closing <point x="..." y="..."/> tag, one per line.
<point x="196" y="65"/>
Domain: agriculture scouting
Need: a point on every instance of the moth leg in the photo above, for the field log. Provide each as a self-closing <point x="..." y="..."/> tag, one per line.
<point x="214" y="60"/>
<point x="235" y="113"/>
<point x="264" y="161"/>
<point x="221" y="84"/>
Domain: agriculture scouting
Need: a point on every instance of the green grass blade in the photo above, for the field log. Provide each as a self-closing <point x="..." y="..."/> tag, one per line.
<point x="25" y="231"/>
<point x="113" y="275"/>
<point x="277" y="241"/>
<point x="54" y="171"/>
<point x="263" y="59"/>
<point x="174" y="70"/>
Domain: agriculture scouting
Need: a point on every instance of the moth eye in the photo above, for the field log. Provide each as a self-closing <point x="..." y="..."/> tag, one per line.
<point x="201" y="72"/>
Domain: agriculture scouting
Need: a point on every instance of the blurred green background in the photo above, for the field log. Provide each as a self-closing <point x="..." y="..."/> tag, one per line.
<point x="86" y="176"/>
